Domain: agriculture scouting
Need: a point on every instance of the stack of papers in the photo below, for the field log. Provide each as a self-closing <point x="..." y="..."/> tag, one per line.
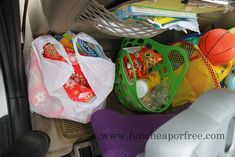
<point x="211" y="3"/>
<point x="160" y="18"/>
<point x="221" y="2"/>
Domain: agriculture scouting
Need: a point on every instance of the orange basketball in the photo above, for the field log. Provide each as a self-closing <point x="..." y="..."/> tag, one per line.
<point x="218" y="45"/>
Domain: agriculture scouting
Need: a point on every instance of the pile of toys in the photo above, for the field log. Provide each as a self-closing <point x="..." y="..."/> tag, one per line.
<point x="144" y="60"/>
<point x="145" y="78"/>
<point x="211" y="65"/>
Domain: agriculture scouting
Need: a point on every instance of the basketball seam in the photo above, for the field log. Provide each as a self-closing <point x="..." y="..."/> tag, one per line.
<point x="206" y="40"/>
<point x="219" y="60"/>
<point x="217" y="42"/>
<point x="224" y="51"/>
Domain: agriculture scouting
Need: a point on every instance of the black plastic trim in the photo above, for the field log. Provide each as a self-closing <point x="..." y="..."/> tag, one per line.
<point x="11" y="60"/>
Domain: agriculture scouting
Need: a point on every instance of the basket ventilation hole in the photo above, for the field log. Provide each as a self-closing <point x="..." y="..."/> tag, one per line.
<point x="140" y="41"/>
<point x="164" y="69"/>
<point x="149" y="46"/>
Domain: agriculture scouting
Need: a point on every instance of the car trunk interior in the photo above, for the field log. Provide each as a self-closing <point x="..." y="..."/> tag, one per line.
<point x="57" y="17"/>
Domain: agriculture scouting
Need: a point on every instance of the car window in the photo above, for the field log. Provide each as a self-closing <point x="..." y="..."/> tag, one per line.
<point x="3" y="102"/>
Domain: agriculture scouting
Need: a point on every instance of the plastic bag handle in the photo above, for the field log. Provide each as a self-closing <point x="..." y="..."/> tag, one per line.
<point x="74" y="40"/>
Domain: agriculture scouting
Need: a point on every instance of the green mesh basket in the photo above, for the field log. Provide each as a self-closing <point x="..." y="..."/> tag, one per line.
<point x="173" y="58"/>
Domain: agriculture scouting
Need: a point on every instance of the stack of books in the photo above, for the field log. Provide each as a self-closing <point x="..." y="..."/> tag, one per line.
<point x="160" y="18"/>
<point x="168" y="14"/>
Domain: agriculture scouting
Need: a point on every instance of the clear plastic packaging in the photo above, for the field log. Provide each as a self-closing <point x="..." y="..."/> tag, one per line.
<point x="157" y="97"/>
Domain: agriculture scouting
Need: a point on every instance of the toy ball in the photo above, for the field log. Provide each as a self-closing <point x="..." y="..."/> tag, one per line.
<point x="218" y="45"/>
<point x="230" y="80"/>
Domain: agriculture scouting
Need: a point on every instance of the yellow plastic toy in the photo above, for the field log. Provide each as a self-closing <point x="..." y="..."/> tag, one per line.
<point x="153" y="79"/>
<point x="232" y="30"/>
<point x="222" y="72"/>
<point x="233" y="61"/>
<point x="66" y="43"/>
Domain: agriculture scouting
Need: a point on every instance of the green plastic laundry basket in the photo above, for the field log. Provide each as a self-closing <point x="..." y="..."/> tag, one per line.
<point x="173" y="58"/>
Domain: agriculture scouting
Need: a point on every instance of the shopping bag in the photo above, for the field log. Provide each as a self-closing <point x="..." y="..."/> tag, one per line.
<point x="51" y="75"/>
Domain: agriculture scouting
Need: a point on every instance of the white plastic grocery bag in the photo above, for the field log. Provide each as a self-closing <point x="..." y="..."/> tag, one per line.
<point x="46" y="79"/>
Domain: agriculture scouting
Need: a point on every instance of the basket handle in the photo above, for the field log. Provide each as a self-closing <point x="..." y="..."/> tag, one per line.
<point x="186" y="63"/>
<point x="134" y="79"/>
